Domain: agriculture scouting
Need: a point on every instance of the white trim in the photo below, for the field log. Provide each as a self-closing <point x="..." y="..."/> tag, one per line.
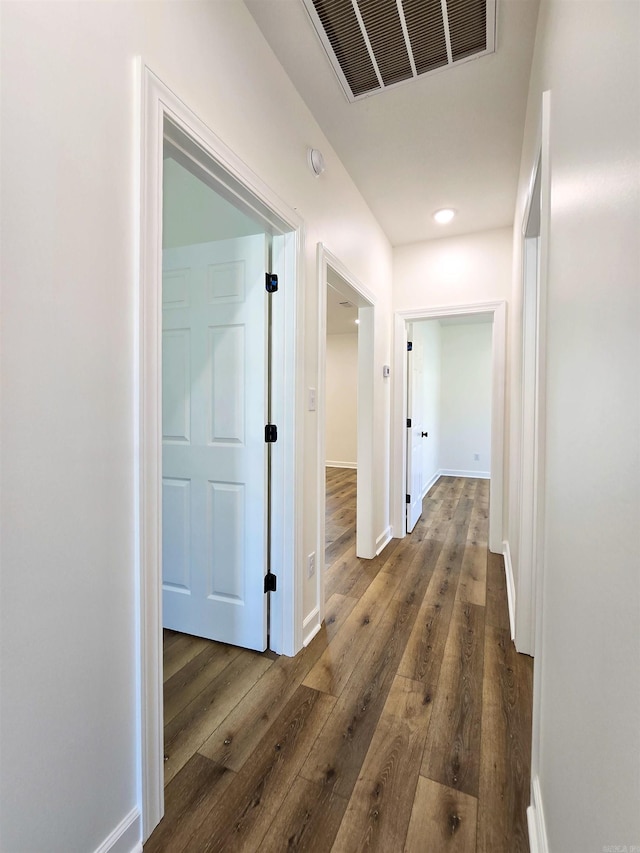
<point x="538" y="588"/>
<point x="365" y="492"/>
<point x="399" y="405"/>
<point x="157" y="102"/>
<point x="431" y="483"/>
<point x="511" y="587"/>
<point x="286" y="464"/>
<point x="383" y="540"/>
<point x="126" y="837"/>
<point x="531" y="468"/>
<point x="452" y="472"/>
<point x="535" y="820"/>
<point x="313" y="620"/>
<point x="351" y="465"/>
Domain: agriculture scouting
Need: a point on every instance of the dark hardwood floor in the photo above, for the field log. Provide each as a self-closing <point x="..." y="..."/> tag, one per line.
<point x="405" y="725"/>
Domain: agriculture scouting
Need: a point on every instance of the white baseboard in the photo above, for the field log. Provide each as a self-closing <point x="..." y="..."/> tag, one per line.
<point x="126" y="837"/>
<point x="311" y="626"/>
<point x="431" y="483"/>
<point x="352" y="465"/>
<point x="535" y="820"/>
<point x="511" y="588"/>
<point x="383" y="540"/>
<point x="478" y="475"/>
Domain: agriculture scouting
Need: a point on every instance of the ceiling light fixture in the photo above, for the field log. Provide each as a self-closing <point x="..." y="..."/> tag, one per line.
<point x="445" y="215"/>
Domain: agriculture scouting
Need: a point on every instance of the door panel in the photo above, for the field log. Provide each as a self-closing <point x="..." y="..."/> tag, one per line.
<point x="214" y="454"/>
<point x="176" y="551"/>
<point x="176" y="386"/>
<point x="414" y="433"/>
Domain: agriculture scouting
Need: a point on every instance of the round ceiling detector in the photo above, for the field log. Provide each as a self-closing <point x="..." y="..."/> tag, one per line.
<point x="315" y="161"/>
<point x="445" y="215"/>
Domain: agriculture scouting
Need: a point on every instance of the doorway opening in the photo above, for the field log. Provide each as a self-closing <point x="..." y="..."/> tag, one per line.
<point x="337" y="285"/>
<point x="496" y="311"/>
<point x="341" y="419"/>
<point x="207" y="353"/>
<point x="448" y="403"/>
<point x="216" y="400"/>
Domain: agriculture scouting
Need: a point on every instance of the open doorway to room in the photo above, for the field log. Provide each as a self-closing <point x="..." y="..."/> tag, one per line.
<point x="340" y="421"/>
<point x="448" y="404"/>
<point x="427" y="451"/>
<point x="216" y="350"/>
<point x="345" y="415"/>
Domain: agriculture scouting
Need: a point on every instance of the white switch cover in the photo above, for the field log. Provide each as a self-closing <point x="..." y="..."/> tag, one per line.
<point x="311" y="565"/>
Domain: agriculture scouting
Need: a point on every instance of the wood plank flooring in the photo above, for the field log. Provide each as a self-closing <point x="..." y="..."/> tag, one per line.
<point x="405" y="725"/>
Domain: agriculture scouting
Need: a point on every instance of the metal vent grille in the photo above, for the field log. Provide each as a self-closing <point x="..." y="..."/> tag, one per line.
<point x="376" y="44"/>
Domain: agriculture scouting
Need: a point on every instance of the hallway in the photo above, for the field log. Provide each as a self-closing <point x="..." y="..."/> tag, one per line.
<point x="405" y="724"/>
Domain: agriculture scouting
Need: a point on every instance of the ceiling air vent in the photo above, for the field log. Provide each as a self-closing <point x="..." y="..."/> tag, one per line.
<point x="376" y="44"/>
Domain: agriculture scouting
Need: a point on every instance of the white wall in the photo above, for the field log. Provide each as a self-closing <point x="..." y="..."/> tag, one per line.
<point x="453" y="271"/>
<point x="586" y="750"/>
<point x="342" y="400"/>
<point x="69" y="231"/>
<point x="456" y="396"/>
<point x="465" y="398"/>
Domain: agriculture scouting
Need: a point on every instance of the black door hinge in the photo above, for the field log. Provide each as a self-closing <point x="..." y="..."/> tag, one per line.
<point x="409" y="346"/>
<point x="408" y="498"/>
<point x="270" y="433"/>
<point x="408" y="422"/>
<point x="270" y="581"/>
<point x="271" y="282"/>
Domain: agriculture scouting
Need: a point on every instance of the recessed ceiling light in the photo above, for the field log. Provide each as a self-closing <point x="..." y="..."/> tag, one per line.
<point x="445" y="215"/>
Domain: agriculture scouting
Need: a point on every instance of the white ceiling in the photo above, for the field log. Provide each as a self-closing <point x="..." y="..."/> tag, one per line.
<point x="341" y="318"/>
<point x="451" y="139"/>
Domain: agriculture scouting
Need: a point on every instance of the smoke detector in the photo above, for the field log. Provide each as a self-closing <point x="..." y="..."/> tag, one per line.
<point x="315" y="161"/>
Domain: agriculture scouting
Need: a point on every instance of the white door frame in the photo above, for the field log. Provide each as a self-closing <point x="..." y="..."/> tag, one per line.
<point x="532" y="421"/>
<point x="534" y="584"/>
<point x="399" y="432"/>
<point x="156" y="103"/>
<point x="365" y="535"/>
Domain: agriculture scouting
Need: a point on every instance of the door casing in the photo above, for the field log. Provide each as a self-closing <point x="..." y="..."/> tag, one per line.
<point x="399" y="431"/>
<point x="156" y="104"/>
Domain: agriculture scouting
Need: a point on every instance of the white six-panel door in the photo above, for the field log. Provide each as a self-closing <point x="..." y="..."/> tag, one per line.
<point x="214" y="342"/>
<point x="414" y="434"/>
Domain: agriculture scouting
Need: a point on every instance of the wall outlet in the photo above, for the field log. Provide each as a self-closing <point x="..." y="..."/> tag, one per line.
<point x="476" y="457"/>
<point x="311" y="565"/>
